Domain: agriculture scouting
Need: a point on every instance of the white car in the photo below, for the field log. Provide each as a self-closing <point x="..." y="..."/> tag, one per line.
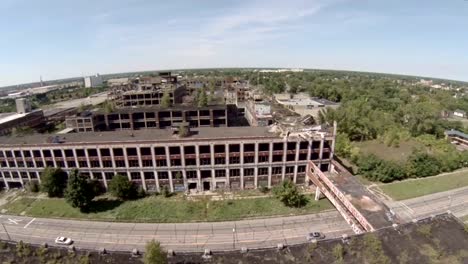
<point x="63" y="241"/>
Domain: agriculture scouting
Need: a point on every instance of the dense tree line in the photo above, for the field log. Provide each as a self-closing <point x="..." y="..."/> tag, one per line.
<point x="386" y="107"/>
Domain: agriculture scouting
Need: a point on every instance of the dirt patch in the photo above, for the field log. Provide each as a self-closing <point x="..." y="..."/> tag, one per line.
<point x="368" y="204"/>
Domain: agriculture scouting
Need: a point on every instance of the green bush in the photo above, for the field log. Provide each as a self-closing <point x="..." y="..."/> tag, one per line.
<point x="33" y="187"/>
<point x="80" y="191"/>
<point x="54" y="181"/>
<point x="122" y="188"/>
<point x="154" y="253"/>
<point x="289" y="195"/>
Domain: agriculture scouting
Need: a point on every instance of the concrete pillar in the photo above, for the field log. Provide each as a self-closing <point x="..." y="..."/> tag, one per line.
<point x="309" y="152"/>
<point x="296" y="160"/>
<point x="241" y="157"/>
<point x="55" y="158"/>
<point x="156" y="177"/>
<point x="332" y="147"/>
<point x="26" y="165"/>
<point x="317" y="193"/>
<point x="33" y="159"/>
<point x="270" y="163"/>
<point x="171" y="184"/>
<point x="256" y="165"/>
<point x="184" y="172"/>
<point x="65" y="159"/>
<point x="89" y="163"/>
<point x="127" y="165"/>
<point x="5" y="181"/>
<point x="75" y="157"/>
<point x="213" y="181"/>
<point x="197" y="160"/>
<point x="322" y="141"/>
<point x="140" y="163"/>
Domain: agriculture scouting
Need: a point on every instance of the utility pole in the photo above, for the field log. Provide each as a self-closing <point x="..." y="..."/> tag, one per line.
<point x="8" y="235"/>
<point x="233" y="238"/>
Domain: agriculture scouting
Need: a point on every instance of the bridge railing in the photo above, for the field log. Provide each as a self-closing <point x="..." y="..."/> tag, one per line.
<point x="314" y="169"/>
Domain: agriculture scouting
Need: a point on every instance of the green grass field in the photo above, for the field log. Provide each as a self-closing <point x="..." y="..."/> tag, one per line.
<point x="381" y="150"/>
<point x="419" y="187"/>
<point x="160" y="209"/>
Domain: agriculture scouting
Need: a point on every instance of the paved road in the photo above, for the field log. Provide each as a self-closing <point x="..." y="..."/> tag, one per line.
<point x="420" y="207"/>
<point x="215" y="236"/>
<point x="179" y="237"/>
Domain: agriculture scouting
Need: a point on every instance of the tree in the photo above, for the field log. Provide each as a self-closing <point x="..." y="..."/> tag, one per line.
<point x="202" y="98"/>
<point x="421" y="165"/>
<point x="165" y="191"/>
<point x="289" y="195"/>
<point x="183" y="131"/>
<point x="154" y="253"/>
<point x="80" y="191"/>
<point x="212" y="92"/>
<point x="54" y="181"/>
<point x="122" y="188"/>
<point x="109" y="107"/>
<point x="166" y="100"/>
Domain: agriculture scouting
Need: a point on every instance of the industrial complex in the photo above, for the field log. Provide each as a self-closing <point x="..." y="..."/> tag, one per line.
<point x="142" y="139"/>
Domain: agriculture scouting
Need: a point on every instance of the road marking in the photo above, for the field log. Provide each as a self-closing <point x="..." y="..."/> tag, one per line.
<point x="32" y="220"/>
<point x="14" y="221"/>
<point x="407" y="207"/>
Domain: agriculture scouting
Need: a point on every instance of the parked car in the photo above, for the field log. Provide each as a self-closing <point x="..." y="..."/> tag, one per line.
<point x="315" y="235"/>
<point x="63" y="241"/>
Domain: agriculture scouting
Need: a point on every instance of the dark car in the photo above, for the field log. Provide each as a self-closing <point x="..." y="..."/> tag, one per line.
<point x="315" y="235"/>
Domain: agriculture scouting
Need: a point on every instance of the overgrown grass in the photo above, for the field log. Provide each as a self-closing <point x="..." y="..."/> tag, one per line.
<point x="160" y="209"/>
<point x="419" y="187"/>
<point x="381" y="150"/>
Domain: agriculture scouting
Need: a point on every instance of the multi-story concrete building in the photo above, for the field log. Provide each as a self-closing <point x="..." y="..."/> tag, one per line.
<point x="148" y="91"/>
<point x="208" y="159"/>
<point x="93" y="81"/>
<point x="303" y="104"/>
<point x="24" y="117"/>
<point x="146" y="117"/>
<point x="258" y="113"/>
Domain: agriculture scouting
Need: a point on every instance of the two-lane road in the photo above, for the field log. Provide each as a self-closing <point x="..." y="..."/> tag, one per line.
<point x="179" y="237"/>
<point x="420" y="207"/>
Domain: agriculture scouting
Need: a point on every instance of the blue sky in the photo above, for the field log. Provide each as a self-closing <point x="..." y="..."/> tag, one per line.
<point x="69" y="38"/>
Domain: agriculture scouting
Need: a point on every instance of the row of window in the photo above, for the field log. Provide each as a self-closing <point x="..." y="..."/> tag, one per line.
<point x="172" y="150"/>
<point x="176" y="175"/>
<point x="174" y="162"/>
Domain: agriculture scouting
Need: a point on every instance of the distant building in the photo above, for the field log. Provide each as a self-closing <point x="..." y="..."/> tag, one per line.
<point x="459" y="113"/>
<point x="23" y="106"/>
<point x="117" y="82"/>
<point x="23" y="118"/>
<point x="148" y="117"/>
<point x="303" y="104"/>
<point x="258" y="113"/>
<point x="93" y="81"/>
<point x="148" y="91"/>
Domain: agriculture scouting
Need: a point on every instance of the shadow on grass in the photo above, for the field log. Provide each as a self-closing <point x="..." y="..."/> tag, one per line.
<point x="103" y="205"/>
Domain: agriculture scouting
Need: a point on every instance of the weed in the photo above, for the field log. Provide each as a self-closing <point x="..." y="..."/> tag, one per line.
<point x="425" y="230"/>
<point x="338" y="253"/>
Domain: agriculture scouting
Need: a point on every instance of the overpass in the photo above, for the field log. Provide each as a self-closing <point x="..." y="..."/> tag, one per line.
<point x="359" y="207"/>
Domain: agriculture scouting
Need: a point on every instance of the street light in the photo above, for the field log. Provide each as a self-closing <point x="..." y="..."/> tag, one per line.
<point x="233" y="238"/>
<point x="8" y="235"/>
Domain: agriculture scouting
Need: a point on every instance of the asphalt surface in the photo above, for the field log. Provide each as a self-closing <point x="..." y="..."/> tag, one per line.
<point x="455" y="201"/>
<point x="258" y="233"/>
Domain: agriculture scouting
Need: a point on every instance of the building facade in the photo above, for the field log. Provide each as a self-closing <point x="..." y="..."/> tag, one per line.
<point x="211" y="158"/>
<point x="145" y="117"/>
<point x="93" y="81"/>
<point x="258" y="113"/>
